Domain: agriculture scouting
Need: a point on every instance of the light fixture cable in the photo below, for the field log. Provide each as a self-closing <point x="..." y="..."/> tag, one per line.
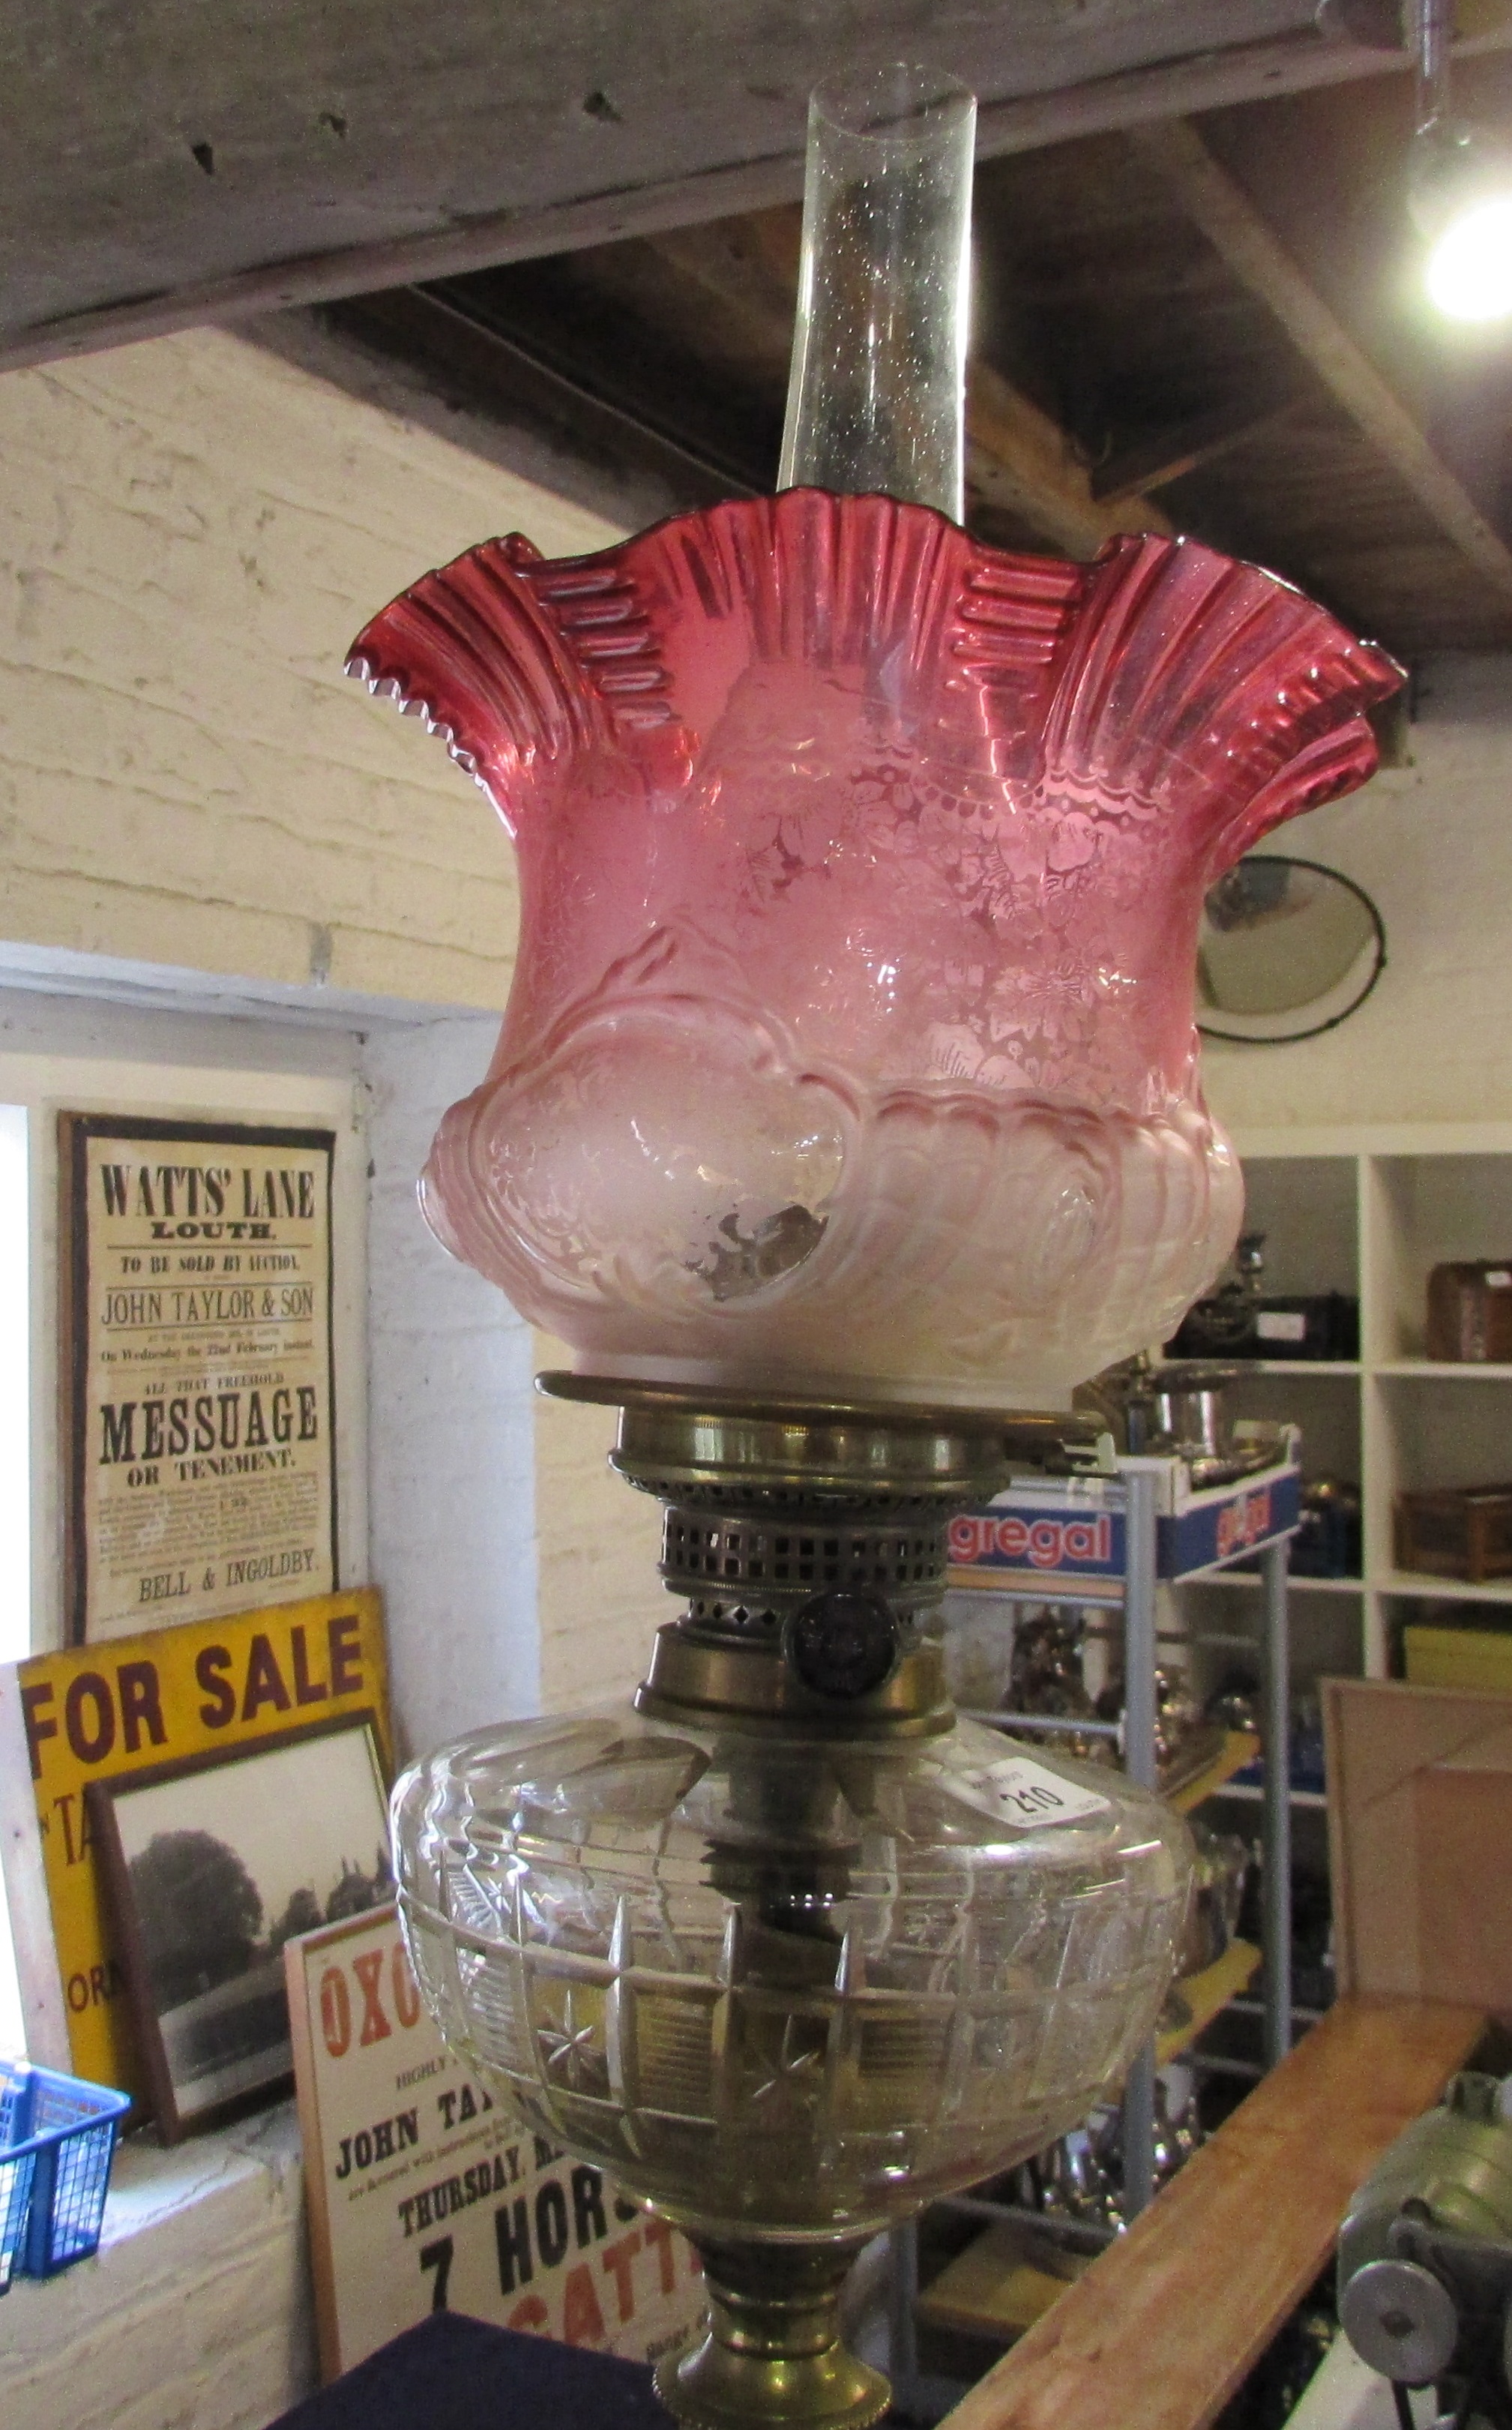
<point x="1432" y="22"/>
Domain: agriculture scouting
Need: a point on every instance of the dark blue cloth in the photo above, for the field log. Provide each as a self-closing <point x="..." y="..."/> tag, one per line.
<point x="456" y="2373"/>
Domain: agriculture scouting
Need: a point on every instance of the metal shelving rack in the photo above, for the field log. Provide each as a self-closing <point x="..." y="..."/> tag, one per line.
<point x="1143" y="1572"/>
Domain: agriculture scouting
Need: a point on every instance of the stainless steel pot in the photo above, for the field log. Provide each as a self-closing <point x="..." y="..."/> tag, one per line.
<point x="1187" y="1406"/>
<point x="1218" y="1894"/>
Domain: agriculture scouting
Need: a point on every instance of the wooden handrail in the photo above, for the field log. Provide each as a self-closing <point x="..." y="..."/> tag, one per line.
<point x="1166" y="2324"/>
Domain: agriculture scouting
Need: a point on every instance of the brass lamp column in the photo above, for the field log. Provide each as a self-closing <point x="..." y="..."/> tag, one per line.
<point x="809" y="1544"/>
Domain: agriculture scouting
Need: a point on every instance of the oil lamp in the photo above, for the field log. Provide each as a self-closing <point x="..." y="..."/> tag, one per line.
<point x="845" y="1105"/>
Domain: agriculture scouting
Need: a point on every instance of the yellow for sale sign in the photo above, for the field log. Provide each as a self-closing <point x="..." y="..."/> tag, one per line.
<point x="98" y="1711"/>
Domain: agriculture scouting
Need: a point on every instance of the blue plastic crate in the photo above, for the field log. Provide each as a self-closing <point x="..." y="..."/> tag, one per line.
<point x="56" y="2141"/>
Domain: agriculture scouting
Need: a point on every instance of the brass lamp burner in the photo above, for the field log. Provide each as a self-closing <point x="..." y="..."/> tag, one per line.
<point x="808" y="1539"/>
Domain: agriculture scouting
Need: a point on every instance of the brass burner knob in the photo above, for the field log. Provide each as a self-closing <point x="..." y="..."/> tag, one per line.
<point x="844" y="1642"/>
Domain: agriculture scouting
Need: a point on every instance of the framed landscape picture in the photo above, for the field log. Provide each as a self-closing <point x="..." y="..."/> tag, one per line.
<point x="212" y="1864"/>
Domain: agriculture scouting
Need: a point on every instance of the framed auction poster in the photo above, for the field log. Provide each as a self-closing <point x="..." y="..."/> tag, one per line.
<point x="198" y="1369"/>
<point x="425" y="2194"/>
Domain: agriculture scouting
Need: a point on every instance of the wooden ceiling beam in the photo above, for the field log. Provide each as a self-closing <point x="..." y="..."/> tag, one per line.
<point x="1203" y="76"/>
<point x="500" y="374"/>
<point x="1155" y="461"/>
<point x="749" y="267"/>
<point x="1218" y="206"/>
<point x="1019" y="460"/>
<point x="1017" y="457"/>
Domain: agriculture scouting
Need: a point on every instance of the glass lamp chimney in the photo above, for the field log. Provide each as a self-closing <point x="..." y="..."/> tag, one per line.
<point x="877" y="395"/>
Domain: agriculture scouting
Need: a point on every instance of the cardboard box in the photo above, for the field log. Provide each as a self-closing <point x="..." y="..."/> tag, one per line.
<point x="1420" y="1784"/>
<point x="1458" y="1657"/>
<point x="1070" y="1529"/>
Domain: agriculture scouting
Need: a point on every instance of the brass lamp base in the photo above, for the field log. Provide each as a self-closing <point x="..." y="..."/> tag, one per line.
<point x="773" y="2352"/>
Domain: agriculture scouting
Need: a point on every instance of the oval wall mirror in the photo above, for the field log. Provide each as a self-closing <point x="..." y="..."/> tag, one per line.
<point x="1286" y="950"/>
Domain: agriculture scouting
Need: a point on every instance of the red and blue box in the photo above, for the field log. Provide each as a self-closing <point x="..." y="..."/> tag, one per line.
<point x="1073" y="1530"/>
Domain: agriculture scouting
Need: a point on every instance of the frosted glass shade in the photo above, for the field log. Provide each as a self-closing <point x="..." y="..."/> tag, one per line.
<point x="851" y="1041"/>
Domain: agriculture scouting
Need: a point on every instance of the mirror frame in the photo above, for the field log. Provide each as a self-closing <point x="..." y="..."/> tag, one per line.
<point x="1207" y="1026"/>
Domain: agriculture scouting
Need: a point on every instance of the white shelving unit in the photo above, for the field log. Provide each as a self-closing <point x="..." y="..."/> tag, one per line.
<point x="1368" y="1212"/>
<point x="1135" y="1594"/>
<point x="1371" y="1211"/>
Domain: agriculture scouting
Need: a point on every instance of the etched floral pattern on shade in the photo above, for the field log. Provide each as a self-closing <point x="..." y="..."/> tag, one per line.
<point x="850" y="1044"/>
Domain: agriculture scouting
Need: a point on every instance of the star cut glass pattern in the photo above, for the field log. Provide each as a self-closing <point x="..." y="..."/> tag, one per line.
<point x="850" y="1046"/>
<point x="805" y="1995"/>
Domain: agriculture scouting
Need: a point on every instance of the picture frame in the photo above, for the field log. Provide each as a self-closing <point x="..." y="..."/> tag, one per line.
<point x="68" y="1718"/>
<point x="197" y="1368"/>
<point x="211" y="1864"/>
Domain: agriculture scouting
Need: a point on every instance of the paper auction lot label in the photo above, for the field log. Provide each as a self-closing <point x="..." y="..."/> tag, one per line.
<point x="1027" y="1795"/>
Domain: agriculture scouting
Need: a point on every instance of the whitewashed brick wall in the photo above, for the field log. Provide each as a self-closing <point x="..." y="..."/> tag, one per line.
<point x="191" y="532"/>
<point x="598" y="1541"/>
<point x="197" y="2312"/>
<point x="1432" y="844"/>
<point x="452" y="1500"/>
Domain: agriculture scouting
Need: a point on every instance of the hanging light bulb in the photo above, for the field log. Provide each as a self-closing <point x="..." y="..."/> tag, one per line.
<point x="1462" y="201"/>
<point x="1470" y="270"/>
<point x="1460" y="190"/>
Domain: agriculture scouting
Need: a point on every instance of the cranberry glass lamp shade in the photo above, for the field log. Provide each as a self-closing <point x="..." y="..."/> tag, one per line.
<point x="851" y="1041"/>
